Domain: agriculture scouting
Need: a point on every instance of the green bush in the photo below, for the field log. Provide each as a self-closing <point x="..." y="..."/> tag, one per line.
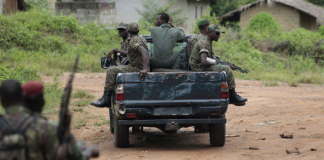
<point x="303" y="42"/>
<point x="52" y="42"/>
<point x="263" y="26"/>
<point x="321" y="30"/>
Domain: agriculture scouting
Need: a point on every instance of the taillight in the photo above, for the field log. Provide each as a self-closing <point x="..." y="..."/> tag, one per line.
<point x="120" y="92"/>
<point x="131" y="115"/>
<point x="224" y="90"/>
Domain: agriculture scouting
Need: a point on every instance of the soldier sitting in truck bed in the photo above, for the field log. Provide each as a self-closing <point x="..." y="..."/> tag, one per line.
<point x="138" y="62"/>
<point x="202" y="51"/>
<point x="164" y="38"/>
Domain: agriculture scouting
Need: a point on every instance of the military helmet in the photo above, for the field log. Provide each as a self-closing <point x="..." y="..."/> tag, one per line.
<point x="122" y="25"/>
<point x="214" y="27"/>
<point x="202" y="22"/>
<point x="133" y="27"/>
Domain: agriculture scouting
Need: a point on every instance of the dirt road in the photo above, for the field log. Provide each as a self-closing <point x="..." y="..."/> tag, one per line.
<point x="269" y="112"/>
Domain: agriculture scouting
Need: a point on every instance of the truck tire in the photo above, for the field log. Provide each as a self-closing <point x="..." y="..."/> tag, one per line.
<point x="121" y="134"/>
<point x="217" y="134"/>
<point x="111" y="120"/>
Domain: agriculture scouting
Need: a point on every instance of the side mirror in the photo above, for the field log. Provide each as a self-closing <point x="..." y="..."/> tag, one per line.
<point x="105" y="62"/>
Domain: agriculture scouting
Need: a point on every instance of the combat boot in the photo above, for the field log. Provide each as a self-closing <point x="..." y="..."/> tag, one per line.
<point x="236" y="99"/>
<point x="104" y="101"/>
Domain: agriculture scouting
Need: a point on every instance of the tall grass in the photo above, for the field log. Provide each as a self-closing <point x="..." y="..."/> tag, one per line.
<point x="50" y="43"/>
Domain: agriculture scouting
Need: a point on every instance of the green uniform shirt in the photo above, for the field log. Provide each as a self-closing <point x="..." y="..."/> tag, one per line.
<point x="164" y="39"/>
<point x="202" y="46"/>
<point x="124" y="44"/>
<point x="134" y="56"/>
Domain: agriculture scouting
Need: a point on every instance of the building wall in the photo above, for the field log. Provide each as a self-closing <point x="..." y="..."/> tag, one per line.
<point x="192" y="10"/>
<point x="287" y="17"/>
<point x="51" y="5"/>
<point x="100" y="12"/>
<point x="308" y="22"/>
<point x="1" y="6"/>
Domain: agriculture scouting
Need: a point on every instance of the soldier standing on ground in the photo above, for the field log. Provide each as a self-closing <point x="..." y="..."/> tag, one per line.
<point x="138" y="62"/>
<point x="33" y="93"/>
<point x="123" y="32"/>
<point x="164" y="38"/>
<point x="23" y="136"/>
<point x="202" y="51"/>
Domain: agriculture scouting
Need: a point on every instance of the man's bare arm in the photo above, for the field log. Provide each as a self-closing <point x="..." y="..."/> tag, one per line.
<point x="203" y="60"/>
<point x="145" y="59"/>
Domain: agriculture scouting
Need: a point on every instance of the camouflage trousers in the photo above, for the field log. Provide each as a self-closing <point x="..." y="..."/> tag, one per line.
<point x="229" y="73"/>
<point x="112" y="73"/>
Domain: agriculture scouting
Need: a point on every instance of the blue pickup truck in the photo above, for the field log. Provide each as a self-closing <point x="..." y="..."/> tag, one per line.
<point x="169" y="100"/>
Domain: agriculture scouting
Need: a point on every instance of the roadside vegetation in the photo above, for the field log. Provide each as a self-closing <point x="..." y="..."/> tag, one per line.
<point x="272" y="55"/>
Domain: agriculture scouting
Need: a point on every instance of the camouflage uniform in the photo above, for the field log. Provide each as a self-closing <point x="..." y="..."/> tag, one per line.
<point x="41" y="136"/>
<point x="135" y="62"/>
<point x="41" y="140"/>
<point x="204" y="46"/>
<point x="193" y="41"/>
<point x="124" y="45"/>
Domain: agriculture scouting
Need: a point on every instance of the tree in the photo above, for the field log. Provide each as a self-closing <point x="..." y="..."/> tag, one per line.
<point x="221" y="7"/>
<point x="317" y="2"/>
<point x="151" y="9"/>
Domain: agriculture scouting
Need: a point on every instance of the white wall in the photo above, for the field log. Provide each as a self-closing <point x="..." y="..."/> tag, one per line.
<point x="125" y="10"/>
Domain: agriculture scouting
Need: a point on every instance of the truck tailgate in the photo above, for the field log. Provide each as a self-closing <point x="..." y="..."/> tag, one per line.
<point x="172" y="88"/>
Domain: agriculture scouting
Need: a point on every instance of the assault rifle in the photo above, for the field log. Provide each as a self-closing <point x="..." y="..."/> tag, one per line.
<point x="63" y="130"/>
<point x="233" y="66"/>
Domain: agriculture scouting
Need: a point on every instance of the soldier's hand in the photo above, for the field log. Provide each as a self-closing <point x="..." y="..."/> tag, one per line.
<point x="142" y="74"/>
<point x="111" y="53"/>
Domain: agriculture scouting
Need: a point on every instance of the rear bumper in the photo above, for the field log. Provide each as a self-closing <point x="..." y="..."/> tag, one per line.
<point x="172" y="121"/>
<point x="175" y="110"/>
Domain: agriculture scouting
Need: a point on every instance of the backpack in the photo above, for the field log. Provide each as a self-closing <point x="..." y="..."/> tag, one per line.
<point x="13" y="142"/>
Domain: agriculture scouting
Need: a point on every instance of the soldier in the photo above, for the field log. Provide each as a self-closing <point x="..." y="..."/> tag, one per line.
<point x="33" y="93"/>
<point x="164" y="38"/>
<point x="138" y="62"/>
<point x="202" y="25"/>
<point x="202" y="51"/>
<point x="23" y="136"/>
<point x="122" y="31"/>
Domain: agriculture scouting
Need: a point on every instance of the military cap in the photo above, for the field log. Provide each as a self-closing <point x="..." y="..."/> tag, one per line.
<point x="32" y="88"/>
<point x="214" y="27"/>
<point x="133" y="27"/>
<point x="203" y="22"/>
<point x="122" y="25"/>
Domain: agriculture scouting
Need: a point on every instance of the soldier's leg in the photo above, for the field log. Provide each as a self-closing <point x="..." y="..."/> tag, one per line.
<point x="176" y="60"/>
<point x="111" y="74"/>
<point x="229" y="74"/>
<point x="234" y="98"/>
<point x="111" y="79"/>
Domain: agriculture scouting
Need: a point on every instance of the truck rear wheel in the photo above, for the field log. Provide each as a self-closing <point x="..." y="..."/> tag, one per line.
<point x="121" y="135"/>
<point x="111" y="120"/>
<point x="217" y="134"/>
